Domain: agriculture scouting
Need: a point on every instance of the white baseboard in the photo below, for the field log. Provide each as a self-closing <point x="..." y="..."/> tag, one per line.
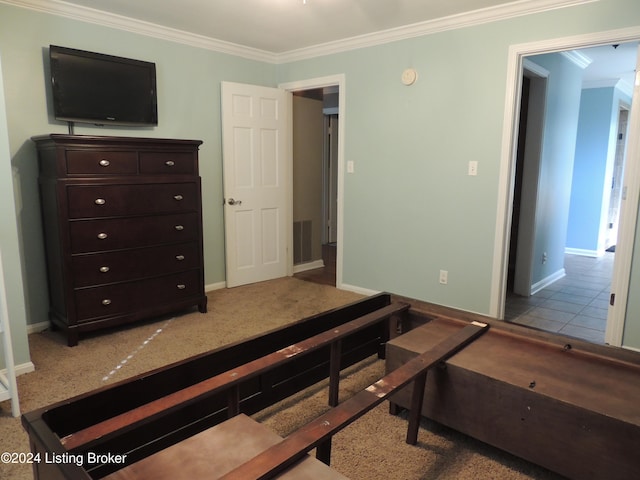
<point x="545" y="282"/>
<point x="303" y="267"/>
<point x="21" y="369"/>
<point x="215" y="286"/>
<point x="360" y="290"/>
<point x="583" y="252"/>
<point x="631" y="348"/>
<point x="37" y="327"/>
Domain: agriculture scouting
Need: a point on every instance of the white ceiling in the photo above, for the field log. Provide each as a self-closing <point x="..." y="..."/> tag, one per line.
<point x="279" y="26"/>
<point x="609" y="63"/>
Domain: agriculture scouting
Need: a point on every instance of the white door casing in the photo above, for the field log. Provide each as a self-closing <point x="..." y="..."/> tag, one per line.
<point x="257" y="182"/>
<point x="339" y="81"/>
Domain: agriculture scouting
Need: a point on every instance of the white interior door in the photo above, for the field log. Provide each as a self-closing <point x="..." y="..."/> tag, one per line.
<point x="628" y="225"/>
<point x="257" y="182"/>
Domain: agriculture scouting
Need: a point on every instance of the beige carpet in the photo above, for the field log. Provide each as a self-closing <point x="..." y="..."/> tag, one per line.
<point x="372" y="448"/>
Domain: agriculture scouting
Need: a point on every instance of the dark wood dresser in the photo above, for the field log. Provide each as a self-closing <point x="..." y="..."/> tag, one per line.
<point x="122" y="222"/>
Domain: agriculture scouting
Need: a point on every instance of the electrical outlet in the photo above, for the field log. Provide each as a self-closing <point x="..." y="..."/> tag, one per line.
<point x="544" y="258"/>
<point x="444" y="277"/>
<point x="473" y="168"/>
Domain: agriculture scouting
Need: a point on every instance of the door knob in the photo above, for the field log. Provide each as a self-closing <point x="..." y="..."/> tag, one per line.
<point x="231" y="201"/>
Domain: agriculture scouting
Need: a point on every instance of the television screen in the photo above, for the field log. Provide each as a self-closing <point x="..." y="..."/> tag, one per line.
<point x="102" y="89"/>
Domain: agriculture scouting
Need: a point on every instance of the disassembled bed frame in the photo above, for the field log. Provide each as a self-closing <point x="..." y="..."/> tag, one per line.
<point x="502" y="389"/>
<point x="150" y="412"/>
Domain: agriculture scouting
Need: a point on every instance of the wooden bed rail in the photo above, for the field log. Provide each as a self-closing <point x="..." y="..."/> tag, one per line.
<point x="318" y="433"/>
<point x="231" y="380"/>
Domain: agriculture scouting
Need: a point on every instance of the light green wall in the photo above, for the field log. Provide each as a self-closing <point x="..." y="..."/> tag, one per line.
<point x="410" y="209"/>
<point x="189" y="107"/>
<point x="631" y="333"/>
<point x="10" y="243"/>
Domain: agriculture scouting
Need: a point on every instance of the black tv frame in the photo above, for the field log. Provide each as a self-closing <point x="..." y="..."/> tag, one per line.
<point x="101" y="89"/>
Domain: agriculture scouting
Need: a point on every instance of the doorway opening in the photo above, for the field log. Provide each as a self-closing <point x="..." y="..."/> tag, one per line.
<point x="572" y="296"/>
<point x="315" y="184"/>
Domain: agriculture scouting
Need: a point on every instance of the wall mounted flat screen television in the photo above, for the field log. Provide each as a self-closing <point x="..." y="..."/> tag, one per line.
<point x="91" y="87"/>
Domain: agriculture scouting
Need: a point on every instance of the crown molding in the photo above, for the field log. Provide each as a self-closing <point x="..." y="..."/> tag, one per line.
<point x="502" y="12"/>
<point x="105" y="19"/>
<point x="467" y="19"/>
<point x="578" y="58"/>
<point x="534" y="68"/>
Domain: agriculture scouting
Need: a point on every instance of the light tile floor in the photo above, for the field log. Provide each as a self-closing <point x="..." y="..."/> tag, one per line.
<point x="575" y="305"/>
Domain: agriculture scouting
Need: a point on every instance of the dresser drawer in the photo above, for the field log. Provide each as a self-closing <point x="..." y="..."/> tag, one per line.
<point x="117" y="299"/>
<point x="112" y="267"/>
<point x="90" y="201"/>
<point x="97" y="162"/>
<point x="167" y="162"/>
<point x="100" y="235"/>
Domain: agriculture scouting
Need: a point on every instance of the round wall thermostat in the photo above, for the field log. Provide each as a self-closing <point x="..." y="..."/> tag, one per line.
<point x="409" y="76"/>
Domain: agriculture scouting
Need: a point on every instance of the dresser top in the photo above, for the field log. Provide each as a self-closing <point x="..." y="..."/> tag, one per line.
<point x="93" y="140"/>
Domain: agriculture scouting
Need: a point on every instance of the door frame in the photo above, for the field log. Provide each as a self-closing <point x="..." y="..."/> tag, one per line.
<point x="330" y="179"/>
<point x="523" y="272"/>
<point x="629" y="209"/>
<point x="322" y="82"/>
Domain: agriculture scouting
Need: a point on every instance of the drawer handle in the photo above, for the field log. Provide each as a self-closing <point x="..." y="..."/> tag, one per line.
<point x="179" y="257"/>
<point x="181" y="286"/>
<point x="169" y="163"/>
<point x="105" y="163"/>
<point x="179" y="227"/>
<point x="104" y="269"/>
<point x="100" y="201"/>
<point x="178" y="197"/>
<point x="106" y="301"/>
<point x="102" y="236"/>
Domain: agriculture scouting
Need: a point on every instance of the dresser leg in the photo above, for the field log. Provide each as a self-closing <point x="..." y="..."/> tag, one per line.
<point x="202" y="306"/>
<point x="72" y="337"/>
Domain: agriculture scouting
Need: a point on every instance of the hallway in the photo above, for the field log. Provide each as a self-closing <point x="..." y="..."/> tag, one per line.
<point x="575" y="305"/>
<point x="324" y="275"/>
